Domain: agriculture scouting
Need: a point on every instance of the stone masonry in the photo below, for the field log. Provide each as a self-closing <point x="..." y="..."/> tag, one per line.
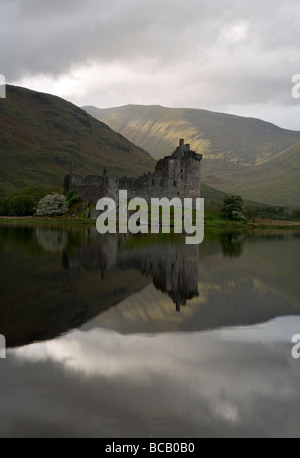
<point x="177" y="175"/>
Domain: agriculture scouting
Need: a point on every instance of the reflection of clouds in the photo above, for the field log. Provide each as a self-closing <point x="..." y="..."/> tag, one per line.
<point x="225" y="410"/>
<point x="277" y="331"/>
<point x="108" y="354"/>
<point x="212" y="380"/>
<point x="105" y="353"/>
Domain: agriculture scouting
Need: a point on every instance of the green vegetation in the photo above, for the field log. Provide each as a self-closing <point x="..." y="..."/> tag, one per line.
<point x="278" y="213"/>
<point x="72" y="198"/>
<point x="40" y="133"/>
<point x="296" y="215"/>
<point x="52" y="205"/>
<point x="213" y="220"/>
<point x="216" y="219"/>
<point x="23" y="203"/>
<point x="233" y="208"/>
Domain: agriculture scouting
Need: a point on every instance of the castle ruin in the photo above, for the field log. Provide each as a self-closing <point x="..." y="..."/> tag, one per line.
<point x="177" y="175"/>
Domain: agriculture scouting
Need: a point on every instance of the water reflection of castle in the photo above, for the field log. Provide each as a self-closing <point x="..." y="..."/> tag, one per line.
<point x="172" y="265"/>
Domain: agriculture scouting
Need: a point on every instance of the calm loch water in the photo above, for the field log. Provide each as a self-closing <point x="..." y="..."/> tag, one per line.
<point x="146" y="337"/>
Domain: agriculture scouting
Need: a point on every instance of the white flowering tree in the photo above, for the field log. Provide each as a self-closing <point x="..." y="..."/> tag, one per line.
<point x="52" y="205"/>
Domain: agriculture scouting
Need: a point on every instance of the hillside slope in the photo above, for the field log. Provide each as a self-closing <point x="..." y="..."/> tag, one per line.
<point x="275" y="181"/>
<point x="39" y="133"/>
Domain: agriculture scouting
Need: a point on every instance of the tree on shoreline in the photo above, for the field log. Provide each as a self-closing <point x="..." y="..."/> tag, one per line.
<point x="233" y="208"/>
<point x="52" y="205"/>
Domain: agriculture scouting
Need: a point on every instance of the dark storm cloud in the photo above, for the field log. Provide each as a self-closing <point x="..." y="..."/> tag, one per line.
<point x="48" y="37"/>
<point x="220" y="52"/>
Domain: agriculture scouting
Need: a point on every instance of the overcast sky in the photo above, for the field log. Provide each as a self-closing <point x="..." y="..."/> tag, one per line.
<point x="236" y="56"/>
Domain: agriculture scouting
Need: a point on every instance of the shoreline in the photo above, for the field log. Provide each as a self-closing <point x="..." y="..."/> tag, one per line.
<point x="256" y="224"/>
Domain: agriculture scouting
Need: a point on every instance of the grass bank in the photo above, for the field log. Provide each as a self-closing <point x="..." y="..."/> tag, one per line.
<point x="212" y="219"/>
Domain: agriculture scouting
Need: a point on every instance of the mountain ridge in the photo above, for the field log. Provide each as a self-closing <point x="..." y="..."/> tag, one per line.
<point x="210" y="128"/>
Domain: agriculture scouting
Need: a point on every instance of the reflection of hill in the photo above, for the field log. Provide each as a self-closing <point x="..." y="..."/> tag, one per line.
<point x="229" y="280"/>
<point x="39" y="300"/>
<point x="254" y="288"/>
<point x="236" y="303"/>
<point x="54" y="280"/>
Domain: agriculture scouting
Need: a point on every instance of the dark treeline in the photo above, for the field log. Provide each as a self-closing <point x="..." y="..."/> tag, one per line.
<point x="23" y="203"/>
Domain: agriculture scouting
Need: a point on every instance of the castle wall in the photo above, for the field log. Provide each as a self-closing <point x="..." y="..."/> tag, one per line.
<point x="174" y="176"/>
<point x="93" y="187"/>
<point x="178" y="175"/>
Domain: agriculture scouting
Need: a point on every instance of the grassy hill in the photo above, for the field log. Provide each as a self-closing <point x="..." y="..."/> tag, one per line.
<point x="275" y="180"/>
<point x="39" y="133"/>
<point x="237" y="151"/>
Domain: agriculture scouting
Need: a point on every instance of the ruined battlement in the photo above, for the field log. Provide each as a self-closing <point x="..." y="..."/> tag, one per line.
<point x="178" y="175"/>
